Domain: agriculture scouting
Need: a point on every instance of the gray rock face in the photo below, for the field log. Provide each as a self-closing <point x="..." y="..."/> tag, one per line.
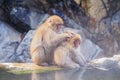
<point x="90" y="50"/>
<point x="106" y="35"/>
<point x="104" y="29"/>
<point x="102" y="38"/>
<point x="9" y="41"/>
<point x="29" y="17"/>
<point x="23" y="50"/>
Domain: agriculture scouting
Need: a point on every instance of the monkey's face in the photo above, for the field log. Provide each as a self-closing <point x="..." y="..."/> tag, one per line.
<point x="55" y="23"/>
<point x="58" y="27"/>
<point x="75" y="41"/>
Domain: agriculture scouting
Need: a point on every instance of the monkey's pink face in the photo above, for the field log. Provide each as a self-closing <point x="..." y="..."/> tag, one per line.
<point x="76" y="43"/>
<point x="58" y="27"/>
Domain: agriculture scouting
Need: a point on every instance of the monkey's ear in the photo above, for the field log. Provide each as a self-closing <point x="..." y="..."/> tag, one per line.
<point x="50" y="20"/>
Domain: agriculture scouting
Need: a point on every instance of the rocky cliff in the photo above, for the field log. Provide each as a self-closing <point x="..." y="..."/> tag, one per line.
<point x="98" y="21"/>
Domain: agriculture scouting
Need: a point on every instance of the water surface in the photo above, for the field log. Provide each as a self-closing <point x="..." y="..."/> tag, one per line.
<point x="74" y="74"/>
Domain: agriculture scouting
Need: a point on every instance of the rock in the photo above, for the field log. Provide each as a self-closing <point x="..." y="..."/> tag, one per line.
<point x="94" y="9"/>
<point x="25" y="15"/>
<point x="105" y="39"/>
<point x="1" y="2"/>
<point x="102" y="8"/>
<point x="117" y="57"/>
<point x="106" y="63"/>
<point x="10" y="40"/>
<point x="23" y="50"/>
<point x="90" y="50"/>
<point x="105" y="31"/>
<point x="115" y="29"/>
<point x="29" y="17"/>
<point x="28" y="67"/>
<point x="23" y="54"/>
<point x="107" y="35"/>
<point x="78" y="2"/>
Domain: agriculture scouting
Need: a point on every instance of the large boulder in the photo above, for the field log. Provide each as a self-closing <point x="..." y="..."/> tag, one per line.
<point x="9" y="41"/>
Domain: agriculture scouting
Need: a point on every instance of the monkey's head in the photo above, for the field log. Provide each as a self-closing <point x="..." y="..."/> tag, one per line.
<point x="55" y="23"/>
<point x="75" y="40"/>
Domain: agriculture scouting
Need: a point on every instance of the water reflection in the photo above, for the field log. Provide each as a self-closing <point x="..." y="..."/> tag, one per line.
<point x="43" y="76"/>
<point x="69" y="75"/>
<point x="81" y="74"/>
<point x="75" y="74"/>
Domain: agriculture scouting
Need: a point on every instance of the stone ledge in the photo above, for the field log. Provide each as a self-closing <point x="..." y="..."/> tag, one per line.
<point x="23" y="68"/>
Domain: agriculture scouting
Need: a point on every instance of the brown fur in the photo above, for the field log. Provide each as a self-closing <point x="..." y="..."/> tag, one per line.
<point x="46" y="39"/>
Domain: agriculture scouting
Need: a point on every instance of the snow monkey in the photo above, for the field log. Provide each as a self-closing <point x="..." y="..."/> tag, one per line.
<point x="67" y="54"/>
<point x="46" y="39"/>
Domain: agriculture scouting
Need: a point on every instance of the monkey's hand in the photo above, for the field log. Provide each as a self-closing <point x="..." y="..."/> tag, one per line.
<point x="59" y="39"/>
<point x="69" y="36"/>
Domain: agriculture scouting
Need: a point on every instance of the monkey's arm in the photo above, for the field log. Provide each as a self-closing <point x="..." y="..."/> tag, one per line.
<point x="59" y="39"/>
<point x="78" y="58"/>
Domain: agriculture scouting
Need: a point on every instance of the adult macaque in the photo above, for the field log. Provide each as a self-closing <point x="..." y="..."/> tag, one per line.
<point x="66" y="55"/>
<point x="46" y="39"/>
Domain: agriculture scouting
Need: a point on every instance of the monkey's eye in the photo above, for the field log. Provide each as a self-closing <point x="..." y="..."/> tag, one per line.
<point x="59" y="26"/>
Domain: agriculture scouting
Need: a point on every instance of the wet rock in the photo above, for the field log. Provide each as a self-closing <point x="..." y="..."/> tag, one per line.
<point x="106" y="63"/>
<point x="117" y="57"/>
<point x="28" y="66"/>
<point x="10" y="40"/>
